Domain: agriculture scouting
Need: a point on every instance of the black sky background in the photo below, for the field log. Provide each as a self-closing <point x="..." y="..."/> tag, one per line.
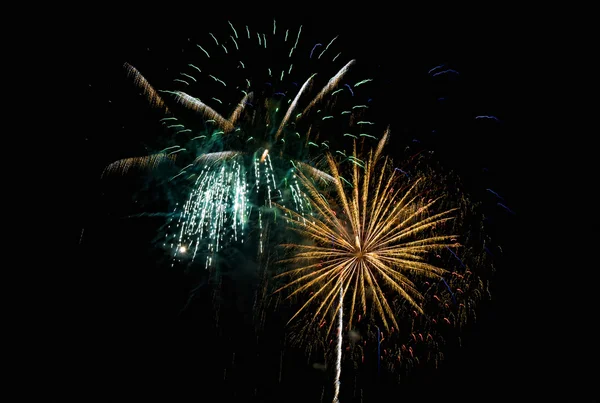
<point x="136" y="344"/>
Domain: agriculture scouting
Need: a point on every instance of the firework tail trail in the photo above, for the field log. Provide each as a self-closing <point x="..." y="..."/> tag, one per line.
<point x="338" y="363"/>
<point x="378" y="351"/>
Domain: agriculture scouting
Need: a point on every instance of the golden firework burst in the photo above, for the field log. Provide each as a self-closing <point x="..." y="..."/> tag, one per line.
<point x="369" y="236"/>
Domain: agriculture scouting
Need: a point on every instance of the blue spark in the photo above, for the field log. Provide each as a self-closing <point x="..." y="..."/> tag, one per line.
<point x="506" y="208"/>
<point x="446" y="72"/>
<point x="313" y="49"/>
<point x="435" y="68"/>
<point x="487" y="117"/>
<point x="457" y="258"/>
<point x="449" y="290"/>
<point x="349" y="88"/>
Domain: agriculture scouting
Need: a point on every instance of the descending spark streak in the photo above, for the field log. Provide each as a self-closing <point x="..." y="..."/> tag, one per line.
<point x="148" y="161"/>
<point x="332" y="84"/>
<point x="240" y="108"/>
<point x="153" y="98"/>
<point x="338" y="363"/>
<point x="198" y="106"/>
<point x="293" y="106"/>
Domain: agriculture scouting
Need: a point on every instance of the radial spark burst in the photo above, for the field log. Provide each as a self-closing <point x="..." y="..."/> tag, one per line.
<point x="372" y="236"/>
<point x="234" y="142"/>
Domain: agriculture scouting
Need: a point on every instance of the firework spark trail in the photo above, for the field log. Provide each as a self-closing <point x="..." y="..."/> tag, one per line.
<point x="153" y="98"/>
<point x="148" y="162"/>
<point x="293" y="106"/>
<point x="220" y="203"/>
<point x="206" y="209"/>
<point x="338" y="362"/>
<point x="332" y="84"/>
<point x="198" y="106"/>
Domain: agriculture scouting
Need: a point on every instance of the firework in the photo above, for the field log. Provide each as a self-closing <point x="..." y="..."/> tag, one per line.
<point x="386" y="238"/>
<point x="377" y="239"/>
<point x="233" y="159"/>
<point x="248" y="147"/>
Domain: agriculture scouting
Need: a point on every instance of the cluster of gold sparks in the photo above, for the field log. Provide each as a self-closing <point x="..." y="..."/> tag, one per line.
<point x="368" y="239"/>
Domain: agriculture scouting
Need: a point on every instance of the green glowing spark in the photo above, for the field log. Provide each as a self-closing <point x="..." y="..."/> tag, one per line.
<point x="176" y="151"/>
<point x="327" y="47"/>
<point x="202" y="49"/>
<point x="345" y="180"/>
<point x="188" y="76"/>
<point x="298" y="37"/>
<point x="180" y="173"/>
<point x="234" y="42"/>
<point x="216" y="79"/>
<point x="234" y="31"/>
<point x="362" y="82"/>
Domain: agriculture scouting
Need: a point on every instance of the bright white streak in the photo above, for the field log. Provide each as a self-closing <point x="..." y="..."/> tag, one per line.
<point x="331" y="85"/>
<point x="338" y="363"/>
<point x="293" y="105"/>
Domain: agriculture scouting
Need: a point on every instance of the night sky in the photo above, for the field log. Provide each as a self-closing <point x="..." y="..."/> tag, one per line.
<point x="140" y="343"/>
